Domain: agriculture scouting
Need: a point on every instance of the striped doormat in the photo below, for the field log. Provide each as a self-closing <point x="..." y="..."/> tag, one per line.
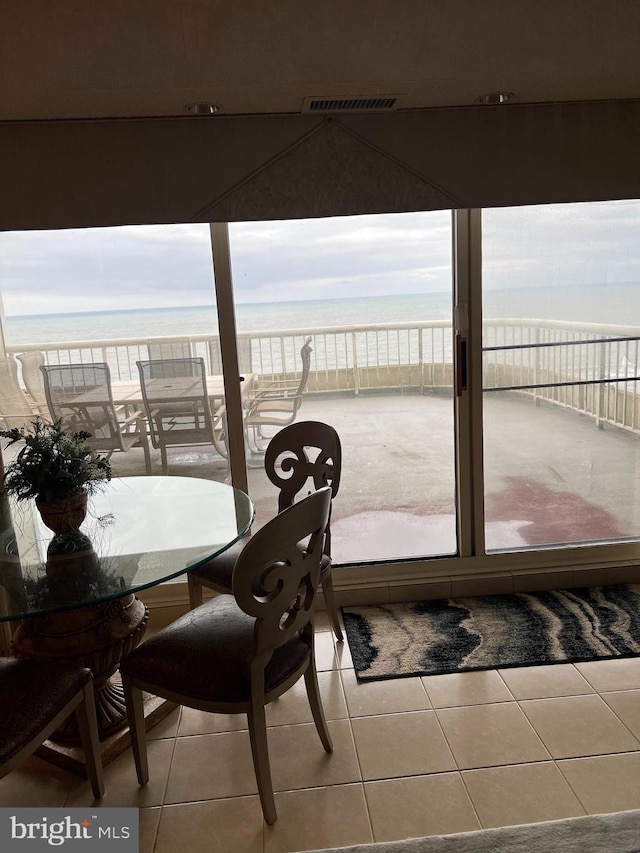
<point x="522" y="629"/>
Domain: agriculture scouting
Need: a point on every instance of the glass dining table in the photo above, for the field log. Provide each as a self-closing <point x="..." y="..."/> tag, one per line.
<point x="75" y="594"/>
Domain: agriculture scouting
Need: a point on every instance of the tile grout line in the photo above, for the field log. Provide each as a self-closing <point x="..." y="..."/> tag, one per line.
<point x="590" y="754"/>
<point x="616" y="715"/>
<point x="458" y="771"/>
<point x="173" y="752"/>
<point x="576" y="757"/>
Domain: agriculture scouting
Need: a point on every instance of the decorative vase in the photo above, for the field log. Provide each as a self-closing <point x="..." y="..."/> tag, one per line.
<point x="64" y="516"/>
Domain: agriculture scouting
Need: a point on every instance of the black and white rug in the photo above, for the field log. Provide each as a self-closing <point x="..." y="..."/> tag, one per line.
<point x="523" y="629"/>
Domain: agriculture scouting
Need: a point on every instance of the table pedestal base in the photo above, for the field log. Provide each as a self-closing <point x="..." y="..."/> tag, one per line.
<point x="97" y="636"/>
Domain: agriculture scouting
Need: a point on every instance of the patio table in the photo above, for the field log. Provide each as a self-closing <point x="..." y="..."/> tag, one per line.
<point x="127" y="392"/>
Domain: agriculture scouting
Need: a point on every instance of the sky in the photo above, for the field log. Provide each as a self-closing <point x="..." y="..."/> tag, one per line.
<point x="96" y="269"/>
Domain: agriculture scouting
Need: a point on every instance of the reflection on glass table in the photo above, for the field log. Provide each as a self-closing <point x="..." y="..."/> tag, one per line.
<point x="76" y="593"/>
<point x="140" y="531"/>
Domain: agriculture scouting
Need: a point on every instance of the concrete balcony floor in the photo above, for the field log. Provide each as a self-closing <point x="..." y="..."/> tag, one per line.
<point x="552" y="477"/>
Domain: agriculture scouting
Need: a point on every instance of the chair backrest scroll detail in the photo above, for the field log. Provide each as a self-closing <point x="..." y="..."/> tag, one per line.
<point x="275" y="580"/>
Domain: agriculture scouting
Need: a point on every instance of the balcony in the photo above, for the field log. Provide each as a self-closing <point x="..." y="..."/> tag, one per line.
<point x="561" y="420"/>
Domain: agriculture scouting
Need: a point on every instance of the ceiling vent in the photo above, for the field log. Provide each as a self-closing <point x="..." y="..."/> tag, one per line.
<point x="356" y="104"/>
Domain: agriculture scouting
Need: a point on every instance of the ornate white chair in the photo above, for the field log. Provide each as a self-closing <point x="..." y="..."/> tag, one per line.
<point x="237" y="653"/>
<point x="36" y="696"/>
<point x="302" y="455"/>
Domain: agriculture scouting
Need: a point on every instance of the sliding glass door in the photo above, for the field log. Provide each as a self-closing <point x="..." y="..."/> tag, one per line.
<point x="372" y="296"/>
<point x="539" y="450"/>
<point x="561" y="324"/>
<point x="117" y="296"/>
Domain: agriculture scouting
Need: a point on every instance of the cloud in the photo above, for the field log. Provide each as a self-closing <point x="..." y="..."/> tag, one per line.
<point x="104" y="268"/>
<point x="354" y="256"/>
<point x="162" y="265"/>
<point x="567" y="244"/>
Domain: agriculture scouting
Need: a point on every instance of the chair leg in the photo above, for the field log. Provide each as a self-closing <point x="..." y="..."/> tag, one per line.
<point x="135" y="715"/>
<point x="313" y="694"/>
<point x="260" y="752"/>
<point x="163" y="458"/>
<point x="219" y="435"/>
<point x="195" y="592"/>
<point x="145" y="449"/>
<point x="330" y="601"/>
<point x="258" y="464"/>
<point x="88" y="725"/>
<point x="257" y="433"/>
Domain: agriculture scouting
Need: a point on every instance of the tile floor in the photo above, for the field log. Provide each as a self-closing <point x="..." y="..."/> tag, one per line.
<point x="415" y="756"/>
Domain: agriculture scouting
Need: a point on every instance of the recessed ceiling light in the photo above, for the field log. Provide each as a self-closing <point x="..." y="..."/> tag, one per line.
<point x="495" y="98"/>
<point x="203" y="109"/>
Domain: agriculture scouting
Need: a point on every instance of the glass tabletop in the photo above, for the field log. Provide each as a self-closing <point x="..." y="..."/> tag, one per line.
<point x="139" y="531"/>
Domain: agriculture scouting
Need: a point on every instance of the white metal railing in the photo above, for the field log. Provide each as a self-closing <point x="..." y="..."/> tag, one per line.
<point x="343" y="357"/>
<point x="592" y="368"/>
<point x="587" y="367"/>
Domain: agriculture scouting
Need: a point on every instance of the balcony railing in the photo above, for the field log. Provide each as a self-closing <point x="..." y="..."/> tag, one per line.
<point x="591" y="368"/>
<point x="344" y="358"/>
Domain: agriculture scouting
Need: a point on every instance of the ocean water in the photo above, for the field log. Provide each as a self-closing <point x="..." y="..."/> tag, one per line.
<point x="613" y="304"/>
<point x="194" y="320"/>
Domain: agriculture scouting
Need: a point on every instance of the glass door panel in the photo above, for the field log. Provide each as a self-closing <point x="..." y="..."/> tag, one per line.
<point x="561" y="324"/>
<point x="116" y="295"/>
<point x="374" y="296"/>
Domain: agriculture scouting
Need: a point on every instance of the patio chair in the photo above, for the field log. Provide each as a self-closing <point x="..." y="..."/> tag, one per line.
<point x="237" y="653"/>
<point x="176" y="402"/>
<point x="31" y="362"/>
<point x="244" y="349"/>
<point x="80" y="395"/>
<point x="168" y="349"/>
<point x="16" y="410"/>
<point x="36" y="696"/>
<point x="308" y="450"/>
<point x="276" y="404"/>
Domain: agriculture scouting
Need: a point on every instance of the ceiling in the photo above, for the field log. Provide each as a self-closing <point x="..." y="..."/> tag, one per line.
<point x="78" y="59"/>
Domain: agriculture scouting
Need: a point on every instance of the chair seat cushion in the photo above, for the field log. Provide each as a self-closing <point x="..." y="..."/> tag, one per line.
<point x="218" y="570"/>
<point x="204" y="656"/>
<point x="31" y="694"/>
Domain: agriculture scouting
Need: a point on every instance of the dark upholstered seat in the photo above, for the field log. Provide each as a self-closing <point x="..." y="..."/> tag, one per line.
<point x="35" y="697"/>
<point x="202" y="655"/>
<point x="302" y="452"/>
<point x="236" y="653"/>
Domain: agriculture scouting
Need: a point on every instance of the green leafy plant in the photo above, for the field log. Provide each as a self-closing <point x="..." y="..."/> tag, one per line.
<point x="54" y="464"/>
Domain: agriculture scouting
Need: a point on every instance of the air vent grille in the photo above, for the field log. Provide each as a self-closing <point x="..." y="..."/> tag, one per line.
<point x="355" y="104"/>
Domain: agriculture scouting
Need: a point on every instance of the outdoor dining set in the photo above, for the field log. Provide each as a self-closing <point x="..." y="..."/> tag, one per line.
<point x="173" y="402"/>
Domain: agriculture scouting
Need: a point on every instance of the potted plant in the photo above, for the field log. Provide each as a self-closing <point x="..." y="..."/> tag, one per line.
<point x="58" y="469"/>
